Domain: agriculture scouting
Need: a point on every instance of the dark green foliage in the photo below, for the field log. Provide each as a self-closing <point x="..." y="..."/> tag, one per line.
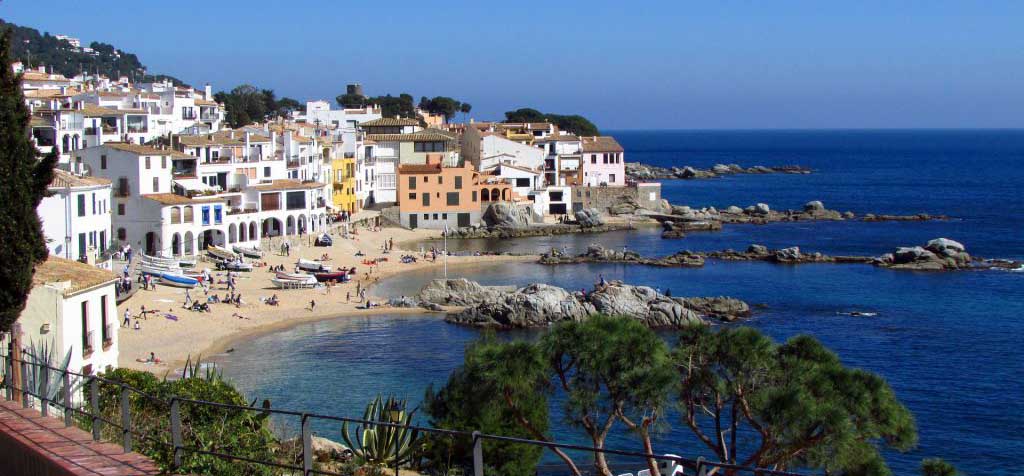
<point x="235" y="432"/>
<point x="23" y="179"/>
<point x="245" y="104"/>
<point x="796" y="401"/>
<point x="390" y="106"/>
<point x="351" y="100"/>
<point x="937" y="467"/>
<point x="444" y="106"/>
<point x="499" y="390"/>
<point x="34" y="48"/>
<point x="574" y="123"/>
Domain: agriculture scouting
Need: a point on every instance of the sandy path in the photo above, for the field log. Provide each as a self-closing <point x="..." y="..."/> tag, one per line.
<point x="195" y="333"/>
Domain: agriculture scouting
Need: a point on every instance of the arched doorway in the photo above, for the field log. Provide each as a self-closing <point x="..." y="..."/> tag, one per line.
<point x="74" y="142"/>
<point x="242" y="232"/>
<point x="189" y="243"/>
<point x="495" y="195"/>
<point x="303" y="227"/>
<point x="289" y="225"/>
<point x="66" y="142"/>
<point x="176" y="245"/>
<point x="272" y="227"/>
<point x="152" y="243"/>
<point x="211" y="237"/>
<point x="232" y="233"/>
<point x="252" y="231"/>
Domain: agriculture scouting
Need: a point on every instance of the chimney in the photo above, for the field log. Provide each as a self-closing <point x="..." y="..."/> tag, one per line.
<point x="232" y="133"/>
<point x="208" y="92"/>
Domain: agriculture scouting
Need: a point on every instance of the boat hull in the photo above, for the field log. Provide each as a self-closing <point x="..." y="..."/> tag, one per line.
<point x="178" y="280"/>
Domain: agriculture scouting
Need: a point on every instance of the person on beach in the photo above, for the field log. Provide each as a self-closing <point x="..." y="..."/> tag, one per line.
<point x="188" y="299"/>
<point x="137" y="326"/>
<point x="127" y="317"/>
<point x="348" y="296"/>
<point x="142" y="312"/>
<point x="359" y="287"/>
<point x="312" y="305"/>
<point x="362" y="296"/>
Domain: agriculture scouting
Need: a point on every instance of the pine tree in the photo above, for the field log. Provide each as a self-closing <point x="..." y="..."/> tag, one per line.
<point x="23" y="182"/>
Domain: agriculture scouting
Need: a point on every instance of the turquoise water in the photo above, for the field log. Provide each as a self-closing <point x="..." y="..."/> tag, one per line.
<point x="949" y="343"/>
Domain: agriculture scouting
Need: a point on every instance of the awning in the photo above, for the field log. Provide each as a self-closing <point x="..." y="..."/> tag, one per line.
<point x="194" y="185"/>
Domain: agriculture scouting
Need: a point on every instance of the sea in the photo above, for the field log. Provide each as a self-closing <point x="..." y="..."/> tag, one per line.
<point x="951" y="345"/>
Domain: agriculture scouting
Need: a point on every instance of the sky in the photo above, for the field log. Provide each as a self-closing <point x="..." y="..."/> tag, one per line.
<point x="625" y="65"/>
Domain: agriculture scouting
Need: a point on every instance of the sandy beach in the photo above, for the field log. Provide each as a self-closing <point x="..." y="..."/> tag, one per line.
<point x="206" y="333"/>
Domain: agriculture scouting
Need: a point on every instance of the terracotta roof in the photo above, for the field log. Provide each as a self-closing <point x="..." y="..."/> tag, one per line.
<point x="49" y="93"/>
<point x="558" y="138"/>
<point x="204" y="102"/>
<point x="37" y="76"/>
<point x="424" y="136"/>
<point x="601" y="144"/>
<point x="390" y="121"/>
<point x="286" y="184"/>
<point x="81" y="276"/>
<point x="168" y="198"/>
<point x="63" y="179"/>
<point x="199" y="140"/>
<point x="92" y="110"/>
<point x="145" y="150"/>
<point x="419" y="168"/>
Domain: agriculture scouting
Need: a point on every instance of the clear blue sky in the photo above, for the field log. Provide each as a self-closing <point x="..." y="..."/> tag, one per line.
<point x="625" y="64"/>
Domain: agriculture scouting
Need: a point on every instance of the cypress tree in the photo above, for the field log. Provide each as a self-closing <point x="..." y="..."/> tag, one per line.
<point x="23" y="182"/>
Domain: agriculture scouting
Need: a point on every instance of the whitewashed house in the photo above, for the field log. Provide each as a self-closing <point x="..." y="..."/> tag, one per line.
<point x="76" y="217"/>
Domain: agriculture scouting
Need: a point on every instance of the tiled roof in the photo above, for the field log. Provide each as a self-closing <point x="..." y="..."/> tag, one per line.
<point x="37" y="76"/>
<point x="390" y="121"/>
<point x="601" y="144"/>
<point x="419" y="168"/>
<point x="204" y="102"/>
<point x="145" y="149"/>
<point x="424" y="136"/>
<point x="36" y="121"/>
<point x="63" y="179"/>
<point x="286" y="184"/>
<point x="81" y="276"/>
<point x="168" y="198"/>
<point x="199" y="140"/>
<point x="558" y="138"/>
<point x="49" y="93"/>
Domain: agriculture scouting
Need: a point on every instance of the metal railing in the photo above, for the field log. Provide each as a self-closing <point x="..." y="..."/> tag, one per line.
<point x="127" y="428"/>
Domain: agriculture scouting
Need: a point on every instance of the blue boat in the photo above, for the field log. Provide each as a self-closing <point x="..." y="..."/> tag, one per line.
<point x="177" y="280"/>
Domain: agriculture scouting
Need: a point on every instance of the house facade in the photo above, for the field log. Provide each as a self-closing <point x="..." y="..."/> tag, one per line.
<point x="76" y="217"/>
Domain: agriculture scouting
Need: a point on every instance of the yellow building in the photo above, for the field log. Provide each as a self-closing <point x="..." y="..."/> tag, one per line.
<point x="343" y="184"/>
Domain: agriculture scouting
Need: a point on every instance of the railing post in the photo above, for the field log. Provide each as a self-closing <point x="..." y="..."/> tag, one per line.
<point x="126" y="419"/>
<point x="307" y="447"/>
<point x="24" y="384"/>
<point x="478" y="454"/>
<point x="8" y="383"/>
<point x="94" y="403"/>
<point x="398" y="440"/>
<point x="176" y="431"/>
<point x="44" y="389"/>
<point x="67" y="398"/>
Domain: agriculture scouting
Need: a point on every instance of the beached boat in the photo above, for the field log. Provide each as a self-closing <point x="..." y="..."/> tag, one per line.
<point x="234" y="266"/>
<point x="292" y="276"/>
<point x="178" y="280"/>
<point x="158" y="260"/>
<point x="157" y="270"/>
<point x="339" y="276"/>
<point x="221" y="253"/>
<point x="187" y="262"/>
<point x="313" y="265"/>
<point x="247" y="251"/>
<point x="324" y="240"/>
<point x="294" y="283"/>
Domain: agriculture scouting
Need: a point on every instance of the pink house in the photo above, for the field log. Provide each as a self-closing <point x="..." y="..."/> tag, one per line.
<point x="603" y="162"/>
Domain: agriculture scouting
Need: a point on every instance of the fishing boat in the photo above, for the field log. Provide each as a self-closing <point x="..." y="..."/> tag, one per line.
<point x="313" y="265"/>
<point x="160" y="260"/>
<point x="178" y="280"/>
<point x="324" y="240"/>
<point x="234" y="266"/>
<point x="221" y="253"/>
<point x="247" y="251"/>
<point x="294" y="283"/>
<point x="157" y="270"/>
<point x="339" y="276"/>
<point x="292" y="276"/>
<point x="187" y="262"/>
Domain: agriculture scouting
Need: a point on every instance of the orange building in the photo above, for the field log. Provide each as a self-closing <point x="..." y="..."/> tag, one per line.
<point x="432" y="196"/>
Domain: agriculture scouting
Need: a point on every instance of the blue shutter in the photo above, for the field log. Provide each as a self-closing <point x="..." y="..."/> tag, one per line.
<point x="206" y="215"/>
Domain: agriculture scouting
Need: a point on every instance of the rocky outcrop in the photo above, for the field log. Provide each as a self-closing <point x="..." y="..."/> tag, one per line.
<point x="639" y="171"/>
<point x="599" y="254"/>
<point x="589" y="217"/>
<point x="534" y="230"/>
<point x="506" y="215"/>
<point x="324" y="450"/>
<point x="538" y="305"/>
<point x="919" y="217"/>
<point x="939" y="254"/>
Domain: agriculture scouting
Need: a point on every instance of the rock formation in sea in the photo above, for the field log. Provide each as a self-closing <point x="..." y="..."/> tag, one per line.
<point x="640" y="171"/>
<point x="597" y="253"/>
<point x="939" y="254"/>
<point x="539" y="305"/>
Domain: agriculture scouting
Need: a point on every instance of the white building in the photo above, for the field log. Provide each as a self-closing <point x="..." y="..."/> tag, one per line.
<point x="72" y="306"/>
<point x="76" y="217"/>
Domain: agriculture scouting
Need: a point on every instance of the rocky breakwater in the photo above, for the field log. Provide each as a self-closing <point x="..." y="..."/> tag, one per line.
<point x="539" y="305"/>
<point x="940" y="254"/>
<point x="599" y="254"/>
<point x="639" y="171"/>
<point x="789" y="255"/>
<point x="505" y="220"/>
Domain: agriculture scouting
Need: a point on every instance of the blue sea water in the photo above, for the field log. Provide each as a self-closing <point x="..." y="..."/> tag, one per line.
<point x="950" y="344"/>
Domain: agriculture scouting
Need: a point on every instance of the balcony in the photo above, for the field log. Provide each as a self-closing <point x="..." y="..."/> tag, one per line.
<point x="87" y="343"/>
<point x="123" y="191"/>
<point x="292" y="164"/>
<point x="208" y="117"/>
<point x="243" y="211"/>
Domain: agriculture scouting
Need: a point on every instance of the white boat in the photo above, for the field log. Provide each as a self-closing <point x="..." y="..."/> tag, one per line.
<point x="247" y="251"/>
<point x="178" y="280"/>
<point x="313" y="265"/>
<point x="221" y="253"/>
<point x="160" y="260"/>
<point x="187" y="262"/>
<point x="293" y="276"/>
<point x="157" y="270"/>
<point x="235" y="266"/>
<point x="294" y="283"/>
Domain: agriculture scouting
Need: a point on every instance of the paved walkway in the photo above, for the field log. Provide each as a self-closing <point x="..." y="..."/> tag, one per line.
<point x="31" y="444"/>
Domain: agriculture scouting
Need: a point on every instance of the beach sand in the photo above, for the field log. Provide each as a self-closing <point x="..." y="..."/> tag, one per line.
<point x="196" y="334"/>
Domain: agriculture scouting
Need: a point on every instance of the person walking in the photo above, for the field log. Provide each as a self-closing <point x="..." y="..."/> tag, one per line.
<point x="188" y="299"/>
<point x="127" y="317"/>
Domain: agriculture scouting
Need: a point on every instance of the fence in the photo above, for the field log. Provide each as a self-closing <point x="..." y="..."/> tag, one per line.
<point x="172" y="437"/>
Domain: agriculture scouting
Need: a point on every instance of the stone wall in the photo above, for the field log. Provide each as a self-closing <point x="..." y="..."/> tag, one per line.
<point x="390" y="216"/>
<point x="647" y="195"/>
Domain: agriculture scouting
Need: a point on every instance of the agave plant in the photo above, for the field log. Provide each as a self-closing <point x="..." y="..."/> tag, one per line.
<point x="46" y="375"/>
<point x="383" y="445"/>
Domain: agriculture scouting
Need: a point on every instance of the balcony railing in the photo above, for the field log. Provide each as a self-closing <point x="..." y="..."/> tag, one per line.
<point x="242" y="211"/>
<point x="122" y="191"/>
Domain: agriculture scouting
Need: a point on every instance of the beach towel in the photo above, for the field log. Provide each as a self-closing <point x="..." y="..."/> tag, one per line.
<point x="171" y="316"/>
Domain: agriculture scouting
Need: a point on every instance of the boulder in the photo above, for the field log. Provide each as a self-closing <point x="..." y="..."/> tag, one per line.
<point x="506" y="215"/>
<point x="945" y="246"/>
<point x="734" y="210"/>
<point x="324" y="450"/>
<point x="786" y="255"/>
<point x="910" y="254"/>
<point x="757" y="250"/>
<point x="762" y="209"/>
<point x="814" y="206"/>
<point x="670" y="229"/>
<point x="589" y="217"/>
<point x="721" y="169"/>
<point x="723" y="308"/>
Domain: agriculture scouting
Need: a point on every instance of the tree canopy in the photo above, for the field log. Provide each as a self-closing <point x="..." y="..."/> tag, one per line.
<point x="444" y="106"/>
<point x="24" y="179"/>
<point x="575" y="124"/>
<point x="246" y="104"/>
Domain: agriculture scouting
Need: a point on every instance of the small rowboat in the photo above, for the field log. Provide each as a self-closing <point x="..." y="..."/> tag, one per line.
<point x="178" y="280"/>
<point x="292" y="276"/>
<point x="248" y="252"/>
<point x="221" y="253"/>
<point x="157" y="270"/>
<point x="313" y="265"/>
<point x="158" y="260"/>
<point x="235" y="266"/>
<point x="294" y="283"/>
<point x="339" y="276"/>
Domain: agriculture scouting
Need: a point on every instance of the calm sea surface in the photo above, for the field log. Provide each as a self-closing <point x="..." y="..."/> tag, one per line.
<point x="950" y="344"/>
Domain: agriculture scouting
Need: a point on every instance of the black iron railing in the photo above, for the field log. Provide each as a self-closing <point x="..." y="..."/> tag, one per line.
<point x="91" y="412"/>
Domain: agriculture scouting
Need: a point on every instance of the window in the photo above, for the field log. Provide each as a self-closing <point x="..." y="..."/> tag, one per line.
<point x="156" y="184"/>
<point x="81" y="245"/>
<point x="295" y="200"/>
<point x="103" y="240"/>
<point x="440" y="179"/>
<point x="412" y="196"/>
<point x="122" y="235"/>
<point x="86" y="345"/>
<point x="94" y="203"/>
<point x="522" y="182"/>
<point x="103" y="162"/>
<point x="424" y="179"/>
<point x="81" y="205"/>
<point x="426" y="199"/>
<point x="412" y="183"/>
<point x="426" y="216"/>
<point x="429" y="147"/>
<point x="611" y="178"/>
<point x="266" y="171"/>
<point x="444" y="216"/>
<point x="217" y="214"/>
<point x="474" y="195"/>
<point x="435" y="216"/>
<point x="593" y="158"/>
<point x="103" y="320"/>
<point x="206" y="215"/>
<point x="453" y="199"/>
<point x="458" y="182"/>
<point x="163" y="161"/>
<point x="147" y="163"/>
<point x="120" y="209"/>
